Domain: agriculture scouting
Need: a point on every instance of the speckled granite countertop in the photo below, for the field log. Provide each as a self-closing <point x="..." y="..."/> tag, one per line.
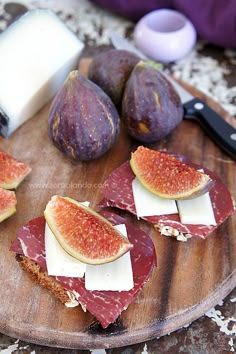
<point x="211" y="70"/>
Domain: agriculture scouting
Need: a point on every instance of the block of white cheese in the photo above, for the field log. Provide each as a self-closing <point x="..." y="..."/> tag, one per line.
<point x="149" y="204"/>
<point x="37" y="52"/>
<point x="58" y="261"/>
<point x="115" y="276"/>
<point x="197" y="210"/>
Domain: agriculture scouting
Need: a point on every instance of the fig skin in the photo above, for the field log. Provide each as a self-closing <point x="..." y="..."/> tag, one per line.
<point x="83" y="121"/>
<point x="110" y="70"/>
<point x="151" y="108"/>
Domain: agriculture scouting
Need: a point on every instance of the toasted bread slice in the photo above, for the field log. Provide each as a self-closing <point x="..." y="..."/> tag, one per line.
<point x="41" y="277"/>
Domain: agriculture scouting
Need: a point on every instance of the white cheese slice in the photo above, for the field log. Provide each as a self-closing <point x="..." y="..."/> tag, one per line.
<point x="36" y="54"/>
<point x="58" y="261"/>
<point x="114" y="276"/>
<point x="197" y="210"/>
<point x="149" y="204"/>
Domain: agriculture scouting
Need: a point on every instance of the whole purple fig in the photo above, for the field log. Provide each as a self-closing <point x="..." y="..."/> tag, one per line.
<point x="151" y="108"/>
<point x="83" y="121"/>
<point x="110" y="70"/>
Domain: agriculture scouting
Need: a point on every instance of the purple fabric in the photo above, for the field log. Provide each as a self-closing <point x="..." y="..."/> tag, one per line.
<point x="214" y="20"/>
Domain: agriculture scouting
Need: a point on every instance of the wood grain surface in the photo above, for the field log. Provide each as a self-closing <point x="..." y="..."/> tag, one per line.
<point x="190" y="277"/>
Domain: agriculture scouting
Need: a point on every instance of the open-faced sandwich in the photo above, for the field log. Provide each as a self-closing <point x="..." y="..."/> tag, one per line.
<point x="98" y="261"/>
<point x="180" y="198"/>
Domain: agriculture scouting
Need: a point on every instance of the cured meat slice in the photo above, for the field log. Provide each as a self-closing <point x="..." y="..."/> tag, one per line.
<point x="117" y="192"/>
<point x="106" y="306"/>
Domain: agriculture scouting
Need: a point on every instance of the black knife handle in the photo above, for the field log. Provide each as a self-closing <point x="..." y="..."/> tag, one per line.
<point x="222" y="133"/>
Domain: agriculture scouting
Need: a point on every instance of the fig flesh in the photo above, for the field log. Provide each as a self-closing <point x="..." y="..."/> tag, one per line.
<point x="7" y="204"/>
<point x="110" y="70"/>
<point x="83" y="121"/>
<point x="12" y="171"/>
<point x="167" y="176"/>
<point x="151" y="108"/>
<point x="83" y="233"/>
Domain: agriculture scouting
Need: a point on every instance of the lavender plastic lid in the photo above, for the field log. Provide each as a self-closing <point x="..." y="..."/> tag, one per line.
<point x="165" y="35"/>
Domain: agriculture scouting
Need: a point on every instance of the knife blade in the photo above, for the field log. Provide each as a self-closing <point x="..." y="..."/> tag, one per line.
<point x="222" y="133"/>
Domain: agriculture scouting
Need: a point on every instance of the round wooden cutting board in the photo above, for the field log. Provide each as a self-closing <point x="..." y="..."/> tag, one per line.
<point x="190" y="277"/>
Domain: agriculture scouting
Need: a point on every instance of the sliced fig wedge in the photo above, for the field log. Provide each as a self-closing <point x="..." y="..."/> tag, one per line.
<point x="12" y="171"/>
<point x="83" y="233"/>
<point x="167" y="176"/>
<point x="7" y="204"/>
